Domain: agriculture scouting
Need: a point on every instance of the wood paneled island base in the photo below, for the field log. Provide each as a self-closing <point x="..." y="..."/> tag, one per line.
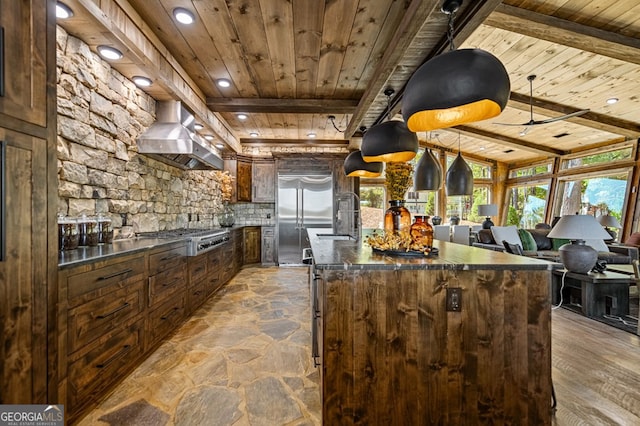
<point x="390" y="352"/>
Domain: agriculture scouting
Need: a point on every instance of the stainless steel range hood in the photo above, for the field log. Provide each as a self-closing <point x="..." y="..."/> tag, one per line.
<point x="172" y="140"/>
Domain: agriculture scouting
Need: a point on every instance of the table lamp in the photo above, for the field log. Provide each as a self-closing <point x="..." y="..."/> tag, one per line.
<point x="609" y="222"/>
<point x="576" y="256"/>
<point x="487" y="210"/>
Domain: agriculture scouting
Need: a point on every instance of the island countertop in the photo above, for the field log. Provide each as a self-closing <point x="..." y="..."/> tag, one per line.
<point x="352" y="254"/>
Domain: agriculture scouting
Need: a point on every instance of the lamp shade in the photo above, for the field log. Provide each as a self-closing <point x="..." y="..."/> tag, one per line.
<point x="389" y="141"/>
<point x="459" y="180"/>
<point x="487" y="210"/>
<point x="578" y="227"/>
<point x="456" y="87"/>
<point x="355" y="166"/>
<point x="428" y="173"/>
<point x="577" y="256"/>
<point x="609" y="221"/>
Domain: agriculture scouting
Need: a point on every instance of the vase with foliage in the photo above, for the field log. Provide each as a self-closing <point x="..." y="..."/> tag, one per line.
<point x="398" y="177"/>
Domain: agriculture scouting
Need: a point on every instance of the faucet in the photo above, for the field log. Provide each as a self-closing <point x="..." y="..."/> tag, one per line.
<point x="356" y="231"/>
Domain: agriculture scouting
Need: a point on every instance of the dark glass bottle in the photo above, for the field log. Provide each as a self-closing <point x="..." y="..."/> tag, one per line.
<point x="422" y="231"/>
<point x="397" y="217"/>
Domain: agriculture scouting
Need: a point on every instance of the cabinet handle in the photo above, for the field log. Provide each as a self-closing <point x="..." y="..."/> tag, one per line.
<point x="116" y="310"/>
<point x="315" y="361"/>
<point x="170" y="314"/>
<point x="115" y="274"/>
<point x="124" y="351"/>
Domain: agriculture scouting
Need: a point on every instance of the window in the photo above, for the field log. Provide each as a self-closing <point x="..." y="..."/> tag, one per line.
<point x="593" y="194"/>
<point x="372" y="206"/>
<point x="527" y="204"/>
<point x="532" y="170"/>
<point x="600" y="158"/>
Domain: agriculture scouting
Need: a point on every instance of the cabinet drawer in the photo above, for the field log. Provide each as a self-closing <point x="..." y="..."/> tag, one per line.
<point x="167" y="259"/>
<point x="196" y="295"/>
<point x="93" y="284"/>
<point x="95" y="318"/>
<point x="104" y="363"/>
<point x="167" y="283"/>
<point x="164" y="319"/>
<point x="197" y="269"/>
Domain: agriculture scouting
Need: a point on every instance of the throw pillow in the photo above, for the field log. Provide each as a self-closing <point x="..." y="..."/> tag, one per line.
<point x="485" y="236"/>
<point x="506" y="233"/>
<point x="542" y="241"/>
<point x="598" y="245"/>
<point x="528" y="242"/>
<point x="556" y="243"/>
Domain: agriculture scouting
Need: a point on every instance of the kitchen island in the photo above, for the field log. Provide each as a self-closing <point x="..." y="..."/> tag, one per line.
<point x="392" y="349"/>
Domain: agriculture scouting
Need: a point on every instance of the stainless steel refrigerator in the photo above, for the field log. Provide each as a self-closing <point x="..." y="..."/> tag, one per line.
<point x="303" y="202"/>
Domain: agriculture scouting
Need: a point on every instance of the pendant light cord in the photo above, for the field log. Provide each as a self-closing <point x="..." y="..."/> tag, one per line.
<point x="452" y="45"/>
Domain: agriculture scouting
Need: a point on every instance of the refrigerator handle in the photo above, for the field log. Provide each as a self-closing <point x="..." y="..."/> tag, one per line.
<point x="297" y="208"/>
<point x="302" y="210"/>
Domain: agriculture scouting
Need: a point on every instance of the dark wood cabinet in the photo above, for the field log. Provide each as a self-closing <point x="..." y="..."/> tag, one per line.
<point x="264" y="182"/>
<point x="240" y="168"/>
<point x="28" y="238"/>
<point x="252" y="236"/>
<point x="24" y="97"/>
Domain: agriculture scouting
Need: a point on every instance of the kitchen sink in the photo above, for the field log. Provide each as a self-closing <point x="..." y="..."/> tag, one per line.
<point x="334" y="237"/>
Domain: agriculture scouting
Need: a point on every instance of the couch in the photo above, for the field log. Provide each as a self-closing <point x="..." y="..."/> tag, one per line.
<point x="541" y="246"/>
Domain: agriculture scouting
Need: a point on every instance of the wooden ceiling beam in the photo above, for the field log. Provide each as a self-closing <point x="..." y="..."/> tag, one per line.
<point x="283" y="106"/>
<point x="591" y="119"/>
<point x="253" y="142"/>
<point x="567" y="33"/>
<point x="509" y="141"/>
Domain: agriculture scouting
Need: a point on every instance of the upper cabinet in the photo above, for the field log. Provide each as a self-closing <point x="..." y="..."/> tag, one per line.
<point x="254" y="179"/>
<point x="264" y="181"/>
<point x="23" y="56"/>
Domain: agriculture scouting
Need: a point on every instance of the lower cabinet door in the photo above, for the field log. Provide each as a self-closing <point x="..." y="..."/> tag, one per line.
<point x="103" y="362"/>
<point x="164" y="319"/>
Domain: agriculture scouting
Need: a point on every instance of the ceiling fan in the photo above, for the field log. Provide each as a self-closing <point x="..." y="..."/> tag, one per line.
<point x="533" y="122"/>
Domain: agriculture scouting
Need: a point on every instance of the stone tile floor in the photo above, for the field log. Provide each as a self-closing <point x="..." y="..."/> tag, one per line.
<point x="243" y="358"/>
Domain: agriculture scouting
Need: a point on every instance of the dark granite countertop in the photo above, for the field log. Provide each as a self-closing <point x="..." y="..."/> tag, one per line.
<point x="81" y="255"/>
<point x="352" y="254"/>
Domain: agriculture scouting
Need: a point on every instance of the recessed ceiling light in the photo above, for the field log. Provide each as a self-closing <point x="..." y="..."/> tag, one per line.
<point x="242" y="116"/>
<point x="183" y="16"/>
<point x="311" y="135"/>
<point x="612" y="101"/>
<point x="223" y="82"/>
<point x="198" y="126"/>
<point x="142" y="81"/>
<point x="63" y="11"/>
<point x="253" y="134"/>
<point x="109" y="52"/>
<point x="209" y="137"/>
<point x="219" y="145"/>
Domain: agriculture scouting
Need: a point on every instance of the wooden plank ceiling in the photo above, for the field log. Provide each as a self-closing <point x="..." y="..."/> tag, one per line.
<point x="293" y="63"/>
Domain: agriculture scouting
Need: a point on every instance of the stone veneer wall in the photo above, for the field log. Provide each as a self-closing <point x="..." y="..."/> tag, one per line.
<point x="100" y="114"/>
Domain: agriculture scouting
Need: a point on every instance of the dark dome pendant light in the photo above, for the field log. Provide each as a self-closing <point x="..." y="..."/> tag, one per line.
<point x="390" y="141"/>
<point x="456" y="87"/>
<point x="355" y="166"/>
<point x="428" y="173"/>
<point x="459" y="179"/>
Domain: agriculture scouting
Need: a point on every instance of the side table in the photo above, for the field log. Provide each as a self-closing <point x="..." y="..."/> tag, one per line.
<point x="596" y="289"/>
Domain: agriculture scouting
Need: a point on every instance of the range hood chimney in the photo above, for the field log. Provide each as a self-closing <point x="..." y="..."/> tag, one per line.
<point x="172" y="139"/>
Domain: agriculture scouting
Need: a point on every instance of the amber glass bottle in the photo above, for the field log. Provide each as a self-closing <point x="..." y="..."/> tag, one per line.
<point x="397" y="218"/>
<point x="422" y="231"/>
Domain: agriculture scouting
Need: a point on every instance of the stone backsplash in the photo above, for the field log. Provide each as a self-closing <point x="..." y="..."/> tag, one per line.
<point x="100" y="115"/>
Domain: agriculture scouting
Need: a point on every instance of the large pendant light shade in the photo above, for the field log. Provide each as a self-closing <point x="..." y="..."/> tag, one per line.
<point x="389" y="141"/>
<point x="456" y="87"/>
<point x="428" y="173"/>
<point x="459" y="179"/>
<point x="355" y="166"/>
